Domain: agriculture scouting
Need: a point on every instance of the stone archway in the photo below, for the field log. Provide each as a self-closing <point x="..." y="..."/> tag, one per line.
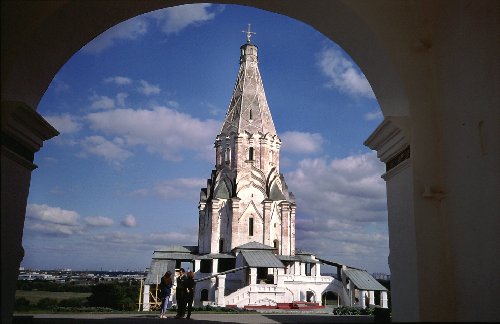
<point x="434" y="69"/>
<point x="330" y="298"/>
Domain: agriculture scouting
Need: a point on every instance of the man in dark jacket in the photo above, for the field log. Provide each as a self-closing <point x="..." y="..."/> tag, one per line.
<point x="180" y="294"/>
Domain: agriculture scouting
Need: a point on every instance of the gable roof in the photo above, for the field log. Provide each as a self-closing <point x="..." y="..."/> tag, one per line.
<point x="363" y="280"/>
<point x="261" y="259"/>
<point x="254" y="246"/>
<point x="157" y="269"/>
<point x="179" y="249"/>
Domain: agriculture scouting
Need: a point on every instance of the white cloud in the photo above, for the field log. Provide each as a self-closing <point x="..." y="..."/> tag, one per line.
<point x="120" y="99"/>
<point x="64" y="123"/>
<point x="118" y="80"/>
<point x="44" y="219"/>
<point x="131" y="29"/>
<point x="301" y="142"/>
<point x="142" y="192"/>
<point x="171" y="238"/>
<point x="161" y="130"/>
<point x="148" y="89"/>
<point x="187" y="188"/>
<point x="344" y="200"/>
<point x="112" y="151"/>
<point x="102" y="102"/>
<point x="126" y="240"/>
<point x="59" y="85"/>
<point x="99" y="221"/>
<point x="343" y="74"/>
<point x="129" y="221"/>
<point x="348" y="188"/>
<point x="374" y="115"/>
<point x="175" y="19"/>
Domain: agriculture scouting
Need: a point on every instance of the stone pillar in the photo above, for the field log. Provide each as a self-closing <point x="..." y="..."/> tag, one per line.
<point x="267" y="221"/>
<point x="317" y="269"/>
<point x="392" y="146"/>
<point x="213" y="287"/>
<point x="280" y="280"/>
<point x="372" y="297"/>
<point x="302" y="268"/>
<point x="361" y="298"/>
<point x="352" y="293"/>
<point x="23" y="133"/>
<point x="383" y="299"/>
<point x="285" y="245"/>
<point x="253" y="276"/>
<point x="215" y="230"/>
<point x="235" y="229"/>
<point x="145" y="299"/>
<point x="215" y="266"/>
<point x="239" y="153"/>
<point x="292" y="228"/>
<point x="221" y="287"/>
<point x="296" y="268"/>
<point x="277" y="155"/>
<point x="196" y="270"/>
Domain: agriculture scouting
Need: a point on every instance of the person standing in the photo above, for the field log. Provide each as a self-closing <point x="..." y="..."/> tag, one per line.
<point x="189" y="284"/>
<point x="180" y="294"/>
<point x="165" y="291"/>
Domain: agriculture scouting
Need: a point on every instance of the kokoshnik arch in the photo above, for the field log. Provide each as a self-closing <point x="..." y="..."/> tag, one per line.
<point x="434" y="68"/>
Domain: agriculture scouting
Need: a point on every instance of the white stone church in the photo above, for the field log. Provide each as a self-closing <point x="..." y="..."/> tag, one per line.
<point x="246" y="254"/>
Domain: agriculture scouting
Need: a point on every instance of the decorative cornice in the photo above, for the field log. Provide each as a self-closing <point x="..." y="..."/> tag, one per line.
<point x="23" y="131"/>
<point x="399" y="158"/>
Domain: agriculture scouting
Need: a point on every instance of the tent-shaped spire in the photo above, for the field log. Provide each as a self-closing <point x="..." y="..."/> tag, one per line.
<point x="248" y="109"/>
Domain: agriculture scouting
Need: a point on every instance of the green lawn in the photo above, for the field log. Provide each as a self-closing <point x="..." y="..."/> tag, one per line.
<point x="35" y="295"/>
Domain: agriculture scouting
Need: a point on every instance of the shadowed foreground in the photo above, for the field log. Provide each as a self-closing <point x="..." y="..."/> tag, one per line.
<point x="199" y="318"/>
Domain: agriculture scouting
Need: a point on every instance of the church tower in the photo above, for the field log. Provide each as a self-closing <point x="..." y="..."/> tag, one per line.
<point x="246" y="198"/>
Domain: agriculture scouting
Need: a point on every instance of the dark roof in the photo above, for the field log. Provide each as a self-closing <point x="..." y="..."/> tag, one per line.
<point x="254" y="246"/>
<point x="261" y="259"/>
<point x="179" y="249"/>
<point x="173" y="256"/>
<point x="215" y="256"/>
<point x="157" y="269"/>
<point x="301" y="258"/>
<point x="363" y="280"/>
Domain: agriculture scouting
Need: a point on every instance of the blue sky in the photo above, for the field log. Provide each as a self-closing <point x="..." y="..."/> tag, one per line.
<point x="139" y="108"/>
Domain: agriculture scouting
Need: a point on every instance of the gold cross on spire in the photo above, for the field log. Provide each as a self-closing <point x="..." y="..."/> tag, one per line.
<point x="249" y="33"/>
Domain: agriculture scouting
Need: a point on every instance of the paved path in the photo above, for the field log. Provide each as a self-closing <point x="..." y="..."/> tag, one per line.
<point x="195" y="318"/>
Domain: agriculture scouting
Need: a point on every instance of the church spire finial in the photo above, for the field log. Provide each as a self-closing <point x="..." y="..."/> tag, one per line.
<point x="249" y="33"/>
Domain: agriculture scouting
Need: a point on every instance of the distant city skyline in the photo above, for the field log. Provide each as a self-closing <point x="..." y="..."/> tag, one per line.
<point x="138" y="109"/>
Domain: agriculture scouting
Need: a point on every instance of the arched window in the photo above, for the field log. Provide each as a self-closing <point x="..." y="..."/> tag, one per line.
<point x="271" y="156"/>
<point x="221" y="245"/>
<point x="204" y="295"/>
<point x="227" y="156"/>
<point x="250" y="154"/>
<point x="276" y="244"/>
<point x="250" y="226"/>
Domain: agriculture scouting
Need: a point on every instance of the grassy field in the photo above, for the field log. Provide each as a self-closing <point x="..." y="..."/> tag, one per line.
<point x="35" y="295"/>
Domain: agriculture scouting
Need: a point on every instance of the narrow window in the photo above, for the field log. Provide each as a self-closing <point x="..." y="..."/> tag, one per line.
<point x="250" y="226"/>
<point x="271" y="156"/>
<point x="227" y="158"/>
<point x="221" y="245"/>
<point x="250" y="154"/>
<point x="276" y="244"/>
<point x="204" y="295"/>
<point x="250" y="114"/>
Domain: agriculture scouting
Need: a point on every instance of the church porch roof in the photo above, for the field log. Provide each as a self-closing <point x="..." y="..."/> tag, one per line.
<point x="261" y="259"/>
<point x="254" y="246"/>
<point x="363" y="280"/>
